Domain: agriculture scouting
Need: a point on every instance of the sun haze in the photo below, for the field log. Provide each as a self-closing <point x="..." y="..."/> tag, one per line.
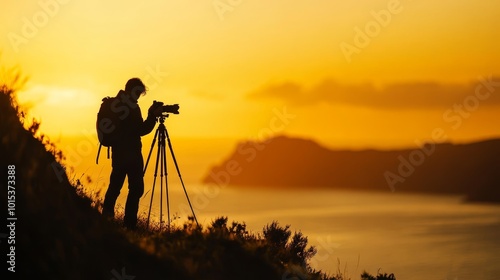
<point x="352" y="74"/>
<point x="356" y="97"/>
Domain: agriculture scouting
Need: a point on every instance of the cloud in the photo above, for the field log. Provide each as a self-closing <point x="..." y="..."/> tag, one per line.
<point x="409" y="95"/>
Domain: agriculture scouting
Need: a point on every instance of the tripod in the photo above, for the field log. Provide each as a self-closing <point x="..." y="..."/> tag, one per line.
<point x="161" y="134"/>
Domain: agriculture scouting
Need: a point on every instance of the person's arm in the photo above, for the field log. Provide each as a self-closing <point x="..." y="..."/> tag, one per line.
<point x="147" y="126"/>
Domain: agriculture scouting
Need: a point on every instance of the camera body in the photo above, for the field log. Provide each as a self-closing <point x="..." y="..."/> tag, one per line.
<point x="173" y="109"/>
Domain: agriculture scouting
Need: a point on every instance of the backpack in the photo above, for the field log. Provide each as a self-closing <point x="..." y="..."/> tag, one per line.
<point x="107" y="125"/>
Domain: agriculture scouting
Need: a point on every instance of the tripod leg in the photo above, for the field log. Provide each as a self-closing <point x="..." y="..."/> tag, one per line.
<point x="180" y="176"/>
<point x="166" y="185"/>
<point x="154" y="180"/>
<point x="150" y="150"/>
<point x="162" y="155"/>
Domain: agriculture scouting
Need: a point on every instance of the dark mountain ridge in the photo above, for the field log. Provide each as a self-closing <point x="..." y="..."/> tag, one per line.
<point x="471" y="169"/>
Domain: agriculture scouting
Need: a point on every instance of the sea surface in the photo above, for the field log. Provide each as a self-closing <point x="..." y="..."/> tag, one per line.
<point x="413" y="236"/>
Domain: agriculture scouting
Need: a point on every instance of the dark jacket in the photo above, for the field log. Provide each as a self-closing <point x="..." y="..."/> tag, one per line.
<point x="131" y="128"/>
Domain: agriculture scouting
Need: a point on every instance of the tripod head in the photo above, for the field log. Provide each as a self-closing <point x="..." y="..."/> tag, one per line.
<point x="162" y="117"/>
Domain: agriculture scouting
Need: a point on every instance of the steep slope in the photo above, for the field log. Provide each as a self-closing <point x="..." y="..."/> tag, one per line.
<point x="58" y="235"/>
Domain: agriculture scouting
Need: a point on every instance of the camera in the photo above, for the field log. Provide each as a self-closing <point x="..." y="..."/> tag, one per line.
<point x="173" y="109"/>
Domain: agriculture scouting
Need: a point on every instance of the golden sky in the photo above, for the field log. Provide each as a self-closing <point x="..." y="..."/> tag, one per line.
<point x="366" y="73"/>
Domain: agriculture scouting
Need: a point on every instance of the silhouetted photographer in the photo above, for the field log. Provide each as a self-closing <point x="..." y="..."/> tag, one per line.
<point x="120" y="126"/>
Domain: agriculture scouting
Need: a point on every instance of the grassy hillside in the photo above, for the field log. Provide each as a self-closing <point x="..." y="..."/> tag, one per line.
<point x="60" y="234"/>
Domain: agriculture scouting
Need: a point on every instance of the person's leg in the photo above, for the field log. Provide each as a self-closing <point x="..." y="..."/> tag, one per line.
<point x="135" y="191"/>
<point x="115" y="184"/>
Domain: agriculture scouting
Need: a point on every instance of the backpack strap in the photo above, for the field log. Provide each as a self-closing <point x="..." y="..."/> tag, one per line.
<point x="99" y="152"/>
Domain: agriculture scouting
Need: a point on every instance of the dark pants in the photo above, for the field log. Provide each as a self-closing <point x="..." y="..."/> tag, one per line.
<point x="130" y="165"/>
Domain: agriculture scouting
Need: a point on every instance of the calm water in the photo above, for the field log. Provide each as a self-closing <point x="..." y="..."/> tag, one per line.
<point x="412" y="236"/>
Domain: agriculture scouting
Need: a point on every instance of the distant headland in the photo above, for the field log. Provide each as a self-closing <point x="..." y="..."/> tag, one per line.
<point x="471" y="169"/>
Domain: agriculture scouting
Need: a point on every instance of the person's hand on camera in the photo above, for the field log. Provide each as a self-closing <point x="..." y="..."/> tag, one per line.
<point x="156" y="109"/>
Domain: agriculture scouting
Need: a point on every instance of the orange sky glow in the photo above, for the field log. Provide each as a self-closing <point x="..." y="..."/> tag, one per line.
<point x="356" y="74"/>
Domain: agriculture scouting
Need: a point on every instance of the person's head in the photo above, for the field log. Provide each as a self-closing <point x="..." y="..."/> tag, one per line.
<point x="135" y="88"/>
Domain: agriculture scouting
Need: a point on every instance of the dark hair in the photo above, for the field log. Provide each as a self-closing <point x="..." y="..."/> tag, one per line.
<point x="135" y="86"/>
